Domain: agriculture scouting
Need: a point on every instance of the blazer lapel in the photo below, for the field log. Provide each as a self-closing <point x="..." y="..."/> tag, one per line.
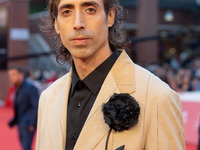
<point x="95" y="120"/>
<point x="119" y="80"/>
<point x="58" y="119"/>
<point x="63" y="107"/>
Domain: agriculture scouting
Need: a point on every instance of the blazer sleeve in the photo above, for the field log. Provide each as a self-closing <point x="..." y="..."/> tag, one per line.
<point x="166" y="129"/>
<point x="39" y="124"/>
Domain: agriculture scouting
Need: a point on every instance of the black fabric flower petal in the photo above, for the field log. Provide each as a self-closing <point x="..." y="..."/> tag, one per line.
<point x="121" y="112"/>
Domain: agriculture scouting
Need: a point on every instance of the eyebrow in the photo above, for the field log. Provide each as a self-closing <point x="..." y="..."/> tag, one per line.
<point x="66" y="6"/>
<point x="91" y="3"/>
<point x="70" y="6"/>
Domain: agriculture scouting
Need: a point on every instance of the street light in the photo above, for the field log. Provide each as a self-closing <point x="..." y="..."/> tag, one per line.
<point x="169" y="16"/>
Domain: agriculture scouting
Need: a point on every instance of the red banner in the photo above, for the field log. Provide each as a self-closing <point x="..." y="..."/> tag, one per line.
<point x="191" y="116"/>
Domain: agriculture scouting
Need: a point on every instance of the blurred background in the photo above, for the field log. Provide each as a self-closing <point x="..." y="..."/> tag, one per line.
<point x="165" y="37"/>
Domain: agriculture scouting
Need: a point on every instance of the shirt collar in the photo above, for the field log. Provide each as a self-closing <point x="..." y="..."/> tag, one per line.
<point x="96" y="78"/>
<point x="75" y="78"/>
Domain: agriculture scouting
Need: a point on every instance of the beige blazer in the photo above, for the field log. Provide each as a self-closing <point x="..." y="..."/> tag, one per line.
<point x="160" y="125"/>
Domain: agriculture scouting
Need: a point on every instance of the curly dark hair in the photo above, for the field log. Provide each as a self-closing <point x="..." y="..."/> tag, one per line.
<point x="116" y="35"/>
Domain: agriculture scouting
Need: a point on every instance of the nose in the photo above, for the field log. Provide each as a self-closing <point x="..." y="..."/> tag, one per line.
<point x="79" y="21"/>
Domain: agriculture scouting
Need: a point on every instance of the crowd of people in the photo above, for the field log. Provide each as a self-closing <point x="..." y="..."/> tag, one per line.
<point x="181" y="77"/>
<point x="42" y="79"/>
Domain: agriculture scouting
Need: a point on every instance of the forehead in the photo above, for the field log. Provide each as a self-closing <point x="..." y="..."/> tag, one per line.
<point x="79" y="2"/>
<point x="13" y="71"/>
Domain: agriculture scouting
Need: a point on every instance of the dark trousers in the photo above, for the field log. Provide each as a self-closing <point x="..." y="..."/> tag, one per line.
<point x="26" y="137"/>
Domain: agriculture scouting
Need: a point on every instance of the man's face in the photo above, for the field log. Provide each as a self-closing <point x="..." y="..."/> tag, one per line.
<point x="83" y="27"/>
<point x="15" y="77"/>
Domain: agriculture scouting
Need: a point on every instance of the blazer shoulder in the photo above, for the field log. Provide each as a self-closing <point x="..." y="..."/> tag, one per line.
<point x="28" y="88"/>
<point x="154" y="87"/>
<point x="153" y="81"/>
<point x="55" y="86"/>
<point x="47" y="95"/>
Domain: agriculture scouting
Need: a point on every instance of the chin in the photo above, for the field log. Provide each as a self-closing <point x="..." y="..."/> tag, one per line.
<point x="82" y="57"/>
<point x="82" y="53"/>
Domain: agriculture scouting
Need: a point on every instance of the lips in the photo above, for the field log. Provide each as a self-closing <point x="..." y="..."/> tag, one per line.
<point x="80" y="40"/>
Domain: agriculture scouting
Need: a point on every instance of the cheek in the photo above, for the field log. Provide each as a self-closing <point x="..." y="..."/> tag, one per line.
<point x="97" y="25"/>
<point x="100" y="23"/>
<point x="63" y="28"/>
<point x="101" y="32"/>
<point x="14" y="79"/>
<point x="64" y="33"/>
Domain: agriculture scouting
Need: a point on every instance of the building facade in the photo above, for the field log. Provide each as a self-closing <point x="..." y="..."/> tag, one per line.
<point x="158" y="29"/>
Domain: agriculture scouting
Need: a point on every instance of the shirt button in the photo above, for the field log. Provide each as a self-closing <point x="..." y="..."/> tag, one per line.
<point x="73" y="137"/>
<point x="81" y="85"/>
<point x="79" y="104"/>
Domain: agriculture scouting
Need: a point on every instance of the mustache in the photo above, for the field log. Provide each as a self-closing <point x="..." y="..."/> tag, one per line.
<point x="76" y="34"/>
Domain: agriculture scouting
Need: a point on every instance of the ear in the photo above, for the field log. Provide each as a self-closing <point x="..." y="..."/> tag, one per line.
<point x="56" y="26"/>
<point x="111" y="17"/>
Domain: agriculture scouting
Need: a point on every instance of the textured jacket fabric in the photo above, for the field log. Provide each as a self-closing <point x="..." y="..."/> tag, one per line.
<point x="160" y="125"/>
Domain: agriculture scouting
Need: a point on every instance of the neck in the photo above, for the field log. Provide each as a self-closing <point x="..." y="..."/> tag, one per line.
<point x="85" y="66"/>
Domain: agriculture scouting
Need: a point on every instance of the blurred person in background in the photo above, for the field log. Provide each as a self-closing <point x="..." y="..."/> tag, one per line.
<point x="25" y="106"/>
<point x="31" y="77"/>
<point x="195" y="84"/>
<point x="41" y="77"/>
<point x="186" y="81"/>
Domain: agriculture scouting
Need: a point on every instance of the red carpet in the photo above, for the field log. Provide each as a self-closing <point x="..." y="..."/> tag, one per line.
<point x="9" y="136"/>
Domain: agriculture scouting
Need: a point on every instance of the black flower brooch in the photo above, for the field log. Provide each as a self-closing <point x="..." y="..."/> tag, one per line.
<point x="121" y="113"/>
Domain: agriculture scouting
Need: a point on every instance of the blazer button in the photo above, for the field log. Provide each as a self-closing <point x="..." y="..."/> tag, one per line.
<point x="73" y="137"/>
<point x="79" y="104"/>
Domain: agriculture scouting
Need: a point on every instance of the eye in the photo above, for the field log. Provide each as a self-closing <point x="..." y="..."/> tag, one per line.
<point x="91" y="10"/>
<point x="66" y="12"/>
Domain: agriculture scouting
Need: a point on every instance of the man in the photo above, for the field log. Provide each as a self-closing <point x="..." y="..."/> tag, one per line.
<point x="70" y="115"/>
<point x="26" y="106"/>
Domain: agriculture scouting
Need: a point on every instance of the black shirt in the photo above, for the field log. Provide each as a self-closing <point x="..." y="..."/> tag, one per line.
<point x="82" y="96"/>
